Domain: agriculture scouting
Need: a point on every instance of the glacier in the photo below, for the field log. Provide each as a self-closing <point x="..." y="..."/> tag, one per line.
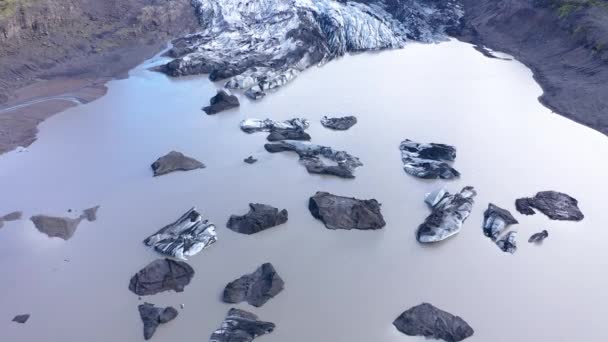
<point x="257" y="46"/>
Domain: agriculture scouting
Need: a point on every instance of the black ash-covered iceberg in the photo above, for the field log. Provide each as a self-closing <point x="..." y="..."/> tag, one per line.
<point x="220" y="102"/>
<point x="256" y="288"/>
<point x="161" y="275"/>
<point x="292" y="129"/>
<point x="508" y="242"/>
<point x="175" y="161"/>
<point x="428" y="321"/>
<point x="260" y="217"/>
<point x="428" y="160"/>
<point x="496" y="220"/>
<point x="556" y="205"/>
<point x="339" y="212"/>
<point x="538" y="237"/>
<point x="314" y="158"/>
<point x="241" y="326"/>
<point x="339" y="123"/>
<point x="153" y="316"/>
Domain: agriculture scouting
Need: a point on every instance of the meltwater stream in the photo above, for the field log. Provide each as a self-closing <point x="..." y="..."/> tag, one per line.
<point x="339" y="285"/>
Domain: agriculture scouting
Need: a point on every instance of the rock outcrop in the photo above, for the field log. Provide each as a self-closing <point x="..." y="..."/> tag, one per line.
<point x="538" y="237"/>
<point x="292" y="129"/>
<point x="220" y="102"/>
<point x="311" y="157"/>
<point x="508" y="243"/>
<point x="161" y="275"/>
<point x="185" y="237"/>
<point x="265" y="44"/>
<point x="556" y="205"/>
<point x="431" y="322"/>
<point x="260" y="217"/>
<point x="175" y="161"/>
<point x="448" y="214"/>
<point x="241" y="326"/>
<point x="496" y="220"/>
<point x="340" y="123"/>
<point x="14" y="216"/>
<point x="256" y="288"/>
<point x="338" y="212"/>
<point x="153" y="316"/>
<point x="428" y="160"/>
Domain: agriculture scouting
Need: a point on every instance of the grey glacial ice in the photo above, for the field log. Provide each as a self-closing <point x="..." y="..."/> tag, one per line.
<point x="496" y="220"/>
<point x="448" y="214"/>
<point x="292" y="129"/>
<point x="508" y="242"/>
<point x="314" y="158"/>
<point x="339" y="123"/>
<point x="261" y="45"/>
<point x="241" y="326"/>
<point x="428" y="160"/>
<point x="185" y="237"/>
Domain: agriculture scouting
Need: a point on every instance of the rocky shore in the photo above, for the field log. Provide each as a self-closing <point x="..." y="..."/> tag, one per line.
<point x="564" y="43"/>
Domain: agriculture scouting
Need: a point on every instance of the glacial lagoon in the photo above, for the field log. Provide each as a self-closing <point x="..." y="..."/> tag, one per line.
<point x="339" y="285"/>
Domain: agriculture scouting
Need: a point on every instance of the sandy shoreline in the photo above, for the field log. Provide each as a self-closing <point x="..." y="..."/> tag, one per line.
<point x="27" y="107"/>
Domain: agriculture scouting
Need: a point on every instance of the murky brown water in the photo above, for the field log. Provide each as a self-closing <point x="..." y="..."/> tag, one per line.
<point x="340" y="285"/>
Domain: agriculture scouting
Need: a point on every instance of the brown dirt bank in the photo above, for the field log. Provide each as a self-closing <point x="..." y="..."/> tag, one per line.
<point x="65" y="51"/>
<point x="564" y="42"/>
